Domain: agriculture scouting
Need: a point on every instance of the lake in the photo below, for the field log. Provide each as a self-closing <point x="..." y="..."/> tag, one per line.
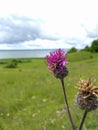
<point x="34" y="53"/>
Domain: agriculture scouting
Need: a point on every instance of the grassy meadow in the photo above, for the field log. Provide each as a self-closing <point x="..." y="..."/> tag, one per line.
<point x="31" y="98"/>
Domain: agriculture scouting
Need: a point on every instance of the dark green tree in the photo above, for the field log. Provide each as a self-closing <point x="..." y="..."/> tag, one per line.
<point x="87" y="48"/>
<point x="73" y="49"/>
<point x="94" y="46"/>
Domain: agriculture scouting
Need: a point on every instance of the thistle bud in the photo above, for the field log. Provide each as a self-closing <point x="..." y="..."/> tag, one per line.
<point x="61" y="73"/>
<point x="85" y="102"/>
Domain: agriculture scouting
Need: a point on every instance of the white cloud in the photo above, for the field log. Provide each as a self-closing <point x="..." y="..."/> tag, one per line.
<point x="47" y="23"/>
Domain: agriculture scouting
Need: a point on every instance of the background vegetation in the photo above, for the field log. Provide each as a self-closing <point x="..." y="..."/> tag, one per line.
<point x="93" y="48"/>
<point x="32" y="99"/>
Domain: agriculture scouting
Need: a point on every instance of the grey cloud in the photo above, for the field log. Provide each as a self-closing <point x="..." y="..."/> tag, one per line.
<point x="49" y="37"/>
<point x="76" y="42"/>
<point x="72" y="41"/>
<point x="17" y="29"/>
<point x="92" y="33"/>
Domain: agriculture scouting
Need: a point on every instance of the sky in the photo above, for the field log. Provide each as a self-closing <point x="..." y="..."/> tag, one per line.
<point x="47" y="24"/>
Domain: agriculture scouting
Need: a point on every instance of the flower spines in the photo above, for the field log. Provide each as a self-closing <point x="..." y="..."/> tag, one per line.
<point x="86" y="86"/>
<point x="87" y="96"/>
<point x="56" y="56"/>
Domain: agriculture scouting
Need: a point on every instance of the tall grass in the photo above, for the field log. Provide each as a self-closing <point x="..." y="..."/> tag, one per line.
<point x="31" y="98"/>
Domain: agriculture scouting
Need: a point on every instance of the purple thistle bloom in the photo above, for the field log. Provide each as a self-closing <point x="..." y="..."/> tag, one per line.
<point x="56" y="63"/>
<point x="63" y="110"/>
<point x="42" y="128"/>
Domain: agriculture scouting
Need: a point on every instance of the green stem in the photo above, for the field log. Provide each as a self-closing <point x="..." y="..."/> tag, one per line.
<point x="83" y="119"/>
<point x="66" y="102"/>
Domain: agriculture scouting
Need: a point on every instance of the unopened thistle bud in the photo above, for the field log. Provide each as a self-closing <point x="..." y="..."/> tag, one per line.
<point x="56" y="63"/>
<point x="61" y="73"/>
<point x="87" y="97"/>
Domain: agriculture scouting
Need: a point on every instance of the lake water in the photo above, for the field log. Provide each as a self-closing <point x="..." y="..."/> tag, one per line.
<point x="36" y="53"/>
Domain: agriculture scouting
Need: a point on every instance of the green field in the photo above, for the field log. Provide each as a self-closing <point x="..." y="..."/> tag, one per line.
<point x="31" y="98"/>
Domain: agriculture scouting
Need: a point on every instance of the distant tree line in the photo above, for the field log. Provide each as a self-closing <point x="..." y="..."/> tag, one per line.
<point x="12" y="64"/>
<point x="92" y="48"/>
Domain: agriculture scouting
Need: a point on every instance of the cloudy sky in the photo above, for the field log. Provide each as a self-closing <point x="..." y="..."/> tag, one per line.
<point x="37" y="24"/>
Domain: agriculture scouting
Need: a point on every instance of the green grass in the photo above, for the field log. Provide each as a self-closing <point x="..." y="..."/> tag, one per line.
<point x="32" y="98"/>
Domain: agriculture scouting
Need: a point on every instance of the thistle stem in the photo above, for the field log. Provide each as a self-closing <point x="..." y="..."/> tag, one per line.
<point x="66" y="102"/>
<point x="83" y="119"/>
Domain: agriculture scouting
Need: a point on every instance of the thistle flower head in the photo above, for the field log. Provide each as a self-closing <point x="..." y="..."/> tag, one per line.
<point x="56" y="63"/>
<point x="87" y="96"/>
<point x="86" y="86"/>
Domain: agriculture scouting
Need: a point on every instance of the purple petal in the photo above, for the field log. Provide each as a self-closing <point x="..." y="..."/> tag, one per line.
<point x="63" y="110"/>
<point x="42" y="128"/>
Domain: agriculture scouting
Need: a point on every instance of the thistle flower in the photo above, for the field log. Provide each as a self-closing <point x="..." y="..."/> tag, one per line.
<point x="87" y="97"/>
<point x="42" y="128"/>
<point x="56" y="63"/>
